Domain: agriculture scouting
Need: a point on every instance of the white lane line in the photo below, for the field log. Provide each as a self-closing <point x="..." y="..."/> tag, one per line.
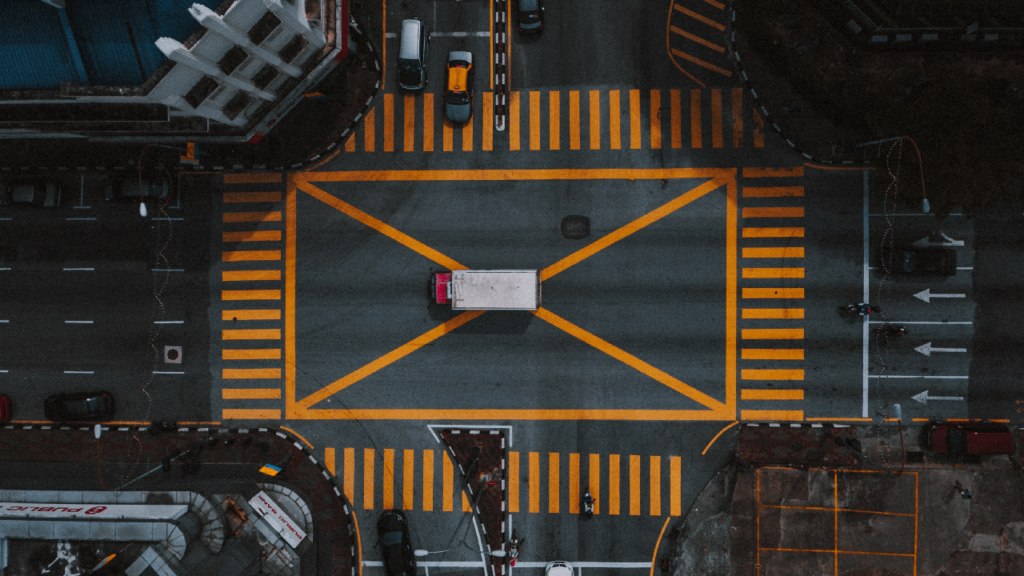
<point x="4" y="218"/>
<point x="911" y="214"/>
<point x="866" y="295"/>
<point x="911" y="322"/>
<point x="168" y="372"/>
<point x="78" y="321"/>
<point x="79" y="218"/>
<point x="519" y="564"/>
<point x="79" y="269"/>
<point x="3" y="371"/>
<point x="82" y="207"/>
<point x="965" y="267"/>
<point x="167" y="270"/>
<point x="924" y="377"/>
<point x="460" y="34"/>
<point x="164" y="219"/>
<point x="79" y="372"/>
<point x="168" y="322"/>
<point x="5" y="321"/>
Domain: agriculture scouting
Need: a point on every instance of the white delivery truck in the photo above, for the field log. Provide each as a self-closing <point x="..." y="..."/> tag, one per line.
<point x="487" y="289"/>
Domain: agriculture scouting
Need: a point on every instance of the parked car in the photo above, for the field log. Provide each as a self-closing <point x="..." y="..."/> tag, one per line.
<point x="5" y="408"/>
<point x="968" y="438"/>
<point x="917" y="261"/>
<point x="395" y="546"/>
<point x="42" y="193"/>
<point x="412" y="55"/>
<point x="77" y="406"/>
<point x="126" y="188"/>
<point x="458" y="99"/>
<point x="531" y="15"/>
<point x="558" y="568"/>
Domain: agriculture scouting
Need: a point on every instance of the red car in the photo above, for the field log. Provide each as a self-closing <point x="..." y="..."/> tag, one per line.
<point x="968" y="438"/>
<point x="5" y="408"/>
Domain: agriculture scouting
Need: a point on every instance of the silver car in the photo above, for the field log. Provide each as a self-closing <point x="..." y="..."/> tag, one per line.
<point x="42" y="193"/>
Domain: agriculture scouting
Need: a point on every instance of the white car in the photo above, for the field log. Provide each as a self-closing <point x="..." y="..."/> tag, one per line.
<point x="558" y="568"/>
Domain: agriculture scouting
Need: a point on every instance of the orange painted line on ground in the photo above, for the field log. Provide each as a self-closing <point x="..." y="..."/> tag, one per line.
<point x="350" y="143"/>
<point x="595" y="119"/>
<point x="233" y="315"/>
<point x="428" y="122"/>
<point x="834" y="551"/>
<point x="614" y="476"/>
<point x="697" y="39"/>
<point x="534" y="482"/>
<point x="758" y="129"/>
<point x="259" y="178"/>
<point x="447" y="136"/>
<point x="251" y="255"/>
<point x="675" y="118"/>
<point x="232" y="295"/>
<point x="249" y="414"/>
<point x="753" y="293"/>
<point x="251" y="354"/>
<point x="675" y="479"/>
<point x="786" y="252"/>
<point x="389" y="122"/>
<point x="721" y="174"/>
<point x="250" y="393"/>
<point x="699" y="18"/>
<point x="702" y="415"/>
<point x="574" y="483"/>
<point x="720" y="432"/>
<point x="655" y="119"/>
<point x="299" y="436"/>
<point x="378" y="225"/>
<point x="325" y="160"/>
<point x="513" y="482"/>
<point x="773" y="172"/>
<point x="773" y="313"/>
<point x="634" y="485"/>
<point x="291" y="240"/>
<point x="448" y="484"/>
<point x="369" y="123"/>
<point x="716" y="118"/>
<point x="329" y="462"/>
<point x="718" y="5"/>
<point x="773" y="334"/>
<point x="250" y="334"/>
<point x="634" y="119"/>
<point x="657" y="544"/>
<point x="841" y="510"/>
<point x="554" y="469"/>
<point x="487" y="119"/>
<point x="534" y="120"/>
<point x="233" y="217"/>
<point x="772" y="375"/>
<point x="349" y="473"/>
<point x="920" y="419"/>
<point x="702" y="63"/>
<point x="594" y="481"/>
<point x="554" y="120"/>
<point x="409" y="122"/>
<point x="655" y="486"/>
<point x="639" y="223"/>
<point x="574" y="119"/>
<point x="251" y="373"/>
<point x="737" y="117"/>
<point x="696" y="127"/>
<point x="253" y="236"/>
<point x="249" y="275"/>
<point x="467" y="136"/>
<point x="369" y="464"/>
<point x="772" y="191"/>
<point x="408" y="479"/>
<point x="387" y="359"/>
<point x="758" y="394"/>
<point x="513" y="120"/>
<point x="731" y="298"/>
<point x="773" y="272"/>
<point x="388" y="479"/>
<point x="428" y="476"/>
<point x="770" y="415"/>
<point x="614" y="121"/>
<point x="773" y="232"/>
<point x="242" y="197"/>
<point x="630" y="360"/>
<point x="774" y="212"/>
<point x="465" y="502"/>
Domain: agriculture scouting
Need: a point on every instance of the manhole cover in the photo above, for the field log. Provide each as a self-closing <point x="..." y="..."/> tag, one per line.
<point x="575" y="227"/>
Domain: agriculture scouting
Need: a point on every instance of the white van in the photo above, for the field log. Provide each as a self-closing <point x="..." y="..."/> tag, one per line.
<point x="412" y="55"/>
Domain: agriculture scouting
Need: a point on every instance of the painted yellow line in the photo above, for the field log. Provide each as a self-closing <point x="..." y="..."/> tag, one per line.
<point x="630" y="360"/>
<point x="701" y="415"/>
<point x="614" y="476"/>
<point x="408" y="479"/>
<point x="387" y="359"/>
<point x="465" y="502"/>
<point x="234" y="295"/>
<point x="329" y="461"/>
<point x="428" y="122"/>
<point x="776" y="415"/>
<point x="718" y="5"/>
<point x="594" y="481"/>
<point x="253" y="236"/>
<point x="291" y="238"/>
<point x="409" y="122"/>
<point x="702" y="63"/>
<point x="232" y="315"/>
<point x="655" y="487"/>
<point x="350" y="143"/>
<point x="716" y="118"/>
<point x="389" y="122"/>
<point x="447" y="136"/>
<point x="250" y="334"/>
<point x="786" y="252"/>
<point x="634" y="484"/>
<point x="251" y="373"/>
<point x="574" y="483"/>
<point x="299" y="436"/>
<point x="737" y="117"/>
<point x="675" y="118"/>
<point x="639" y="223"/>
<point x="231" y="217"/>
<point x="553" y="472"/>
<point x="852" y="419"/>
<point x="731" y="299"/>
<point x="758" y="129"/>
<point x="699" y="18"/>
<point x="513" y="120"/>
<point x="773" y="272"/>
<point x="777" y="232"/>
<point x="773" y="334"/>
<point x="428" y="475"/>
<point x="388" y="479"/>
<point x="251" y="255"/>
<point x="832" y="508"/>
<point x="242" y="197"/>
<point x="595" y="119"/>
<point x="654" y="556"/>
<point x="721" y="174"/>
<point x="696" y="136"/>
<point x="773" y="191"/>
<point x="328" y="158"/>
<point x="772" y="313"/>
<point x="253" y="354"/>
<point x="379" y="226"/>
<point x="655" y="119"/>
<point x="794" y="293"/>
<point x="355" y="521"/>
<point x="249" y="414"/>
<point x="767" y="394"/>
<point x="487" y="119"/>
<point x="614" y="120"/>
<point x="774" y="212"/>
<point x="534" y="120"/>
<point x="369" y="465"/>
<point x="534" y="482"/>
<point x="720" y="432"/>
<point x="634" y="120"/>
<point x="513" y="482"/>
<point x="697" y="39"/>
<point x="249" y="275"/>
<point x="777" y="172"/>
<point x="448" y="483"/>
<point x="554" y="120"/>
<point x="574" y="119"/>
<point x="675" y="479"/>
<point x="259" y="178"/>
<point x="467" y="136"/>
<point x="250" y="393"/>
<point x="369" y="122"/>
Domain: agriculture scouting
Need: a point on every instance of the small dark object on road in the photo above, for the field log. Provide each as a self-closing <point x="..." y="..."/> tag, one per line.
<point x="964" y="492"/>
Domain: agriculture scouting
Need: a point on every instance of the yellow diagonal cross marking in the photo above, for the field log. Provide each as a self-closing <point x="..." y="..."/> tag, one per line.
<point x="393" y="356"/>
<point x="628" y="359"/>
<point x="641" y="222"/>
<point x="379" y="226"/>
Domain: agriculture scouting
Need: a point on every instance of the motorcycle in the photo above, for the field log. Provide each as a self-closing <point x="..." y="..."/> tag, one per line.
<point x="588" y="504"/>
<point x="861" y="309"/>
<point x="891" y="330"/>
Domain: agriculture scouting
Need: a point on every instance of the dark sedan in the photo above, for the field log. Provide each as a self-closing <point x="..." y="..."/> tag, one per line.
<point x="531" y="15"/>
<point x="395" y="546"/>
<point x="915" y="261"/>
<point x="128" y="189"/>
<point x="79" y="406"/>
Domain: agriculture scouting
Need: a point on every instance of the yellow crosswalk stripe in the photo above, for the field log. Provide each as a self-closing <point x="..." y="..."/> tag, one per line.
<point x="553" y="470"/>
<point x="513" y="121"/>
<point x="534" y="120"/>
<point x="634" y="484"/>
<point x="388" y="479"/>
<point x="389" y="122"/>
<point x="655" y="119"/>
<point x="534" y="482"/>
<point x="408" y="479"/>
<point x="428" y="122"/>
<point x="574" y="120"/>
<point x="655" y="489"/>
<point x="428" y="480"/>
<point x="595" y="119"/>
<point x="614" y="121"/>
<point x="554" y="120"/>
<point x="369" y="458"/>
<point x="513" y="482"/>
<point x="613" y="484"/>
<point x="409" y="123"/>
<point x="594" y="481"/>
<point x="574" y="483"/>
<point x="634" y="120"/>
<point x="447" y="486"/>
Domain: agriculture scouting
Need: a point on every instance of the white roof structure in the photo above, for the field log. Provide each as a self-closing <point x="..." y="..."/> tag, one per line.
<point x="495" y="289"/>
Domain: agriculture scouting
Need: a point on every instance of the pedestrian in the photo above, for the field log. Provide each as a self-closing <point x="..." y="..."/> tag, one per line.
<point x="964" y="492"/>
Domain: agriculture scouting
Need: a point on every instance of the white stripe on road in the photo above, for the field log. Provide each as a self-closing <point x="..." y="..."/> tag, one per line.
<point x="79" y="372"/>
<point x="867" y="293"/>
<point x="925" y="377"/>
<point x="168" y="372"/>
<point x="79" y="218"/>
<point x="519" y="564"/>
<point x="79" y="269"/>
<point x="460" y="34"/>
<point x="167" y="270"/>
<point x="78" y="321"/>
<point x="912" y="322"/>
<point x="168" y="322"/>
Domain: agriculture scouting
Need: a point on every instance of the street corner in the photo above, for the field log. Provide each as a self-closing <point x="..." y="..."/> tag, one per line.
<point x="701" y="541"/>
<point x="172" y="499"/>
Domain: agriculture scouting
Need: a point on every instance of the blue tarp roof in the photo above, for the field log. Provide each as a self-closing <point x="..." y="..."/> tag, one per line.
<point x="113" y="40"/>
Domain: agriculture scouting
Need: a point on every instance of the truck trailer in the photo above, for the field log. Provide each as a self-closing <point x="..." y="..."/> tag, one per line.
<point x="487" y="289"/>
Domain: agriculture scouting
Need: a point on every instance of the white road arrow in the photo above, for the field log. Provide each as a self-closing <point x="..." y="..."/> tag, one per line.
<point x="923" y="397"/>
<point x="927" y="241"/>
<point x="927" y="349"/>
<point x="927" y="295"/>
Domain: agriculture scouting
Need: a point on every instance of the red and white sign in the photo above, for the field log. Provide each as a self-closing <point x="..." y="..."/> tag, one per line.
<point x="88" y="511"/>
<point x="277" y="519"/>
